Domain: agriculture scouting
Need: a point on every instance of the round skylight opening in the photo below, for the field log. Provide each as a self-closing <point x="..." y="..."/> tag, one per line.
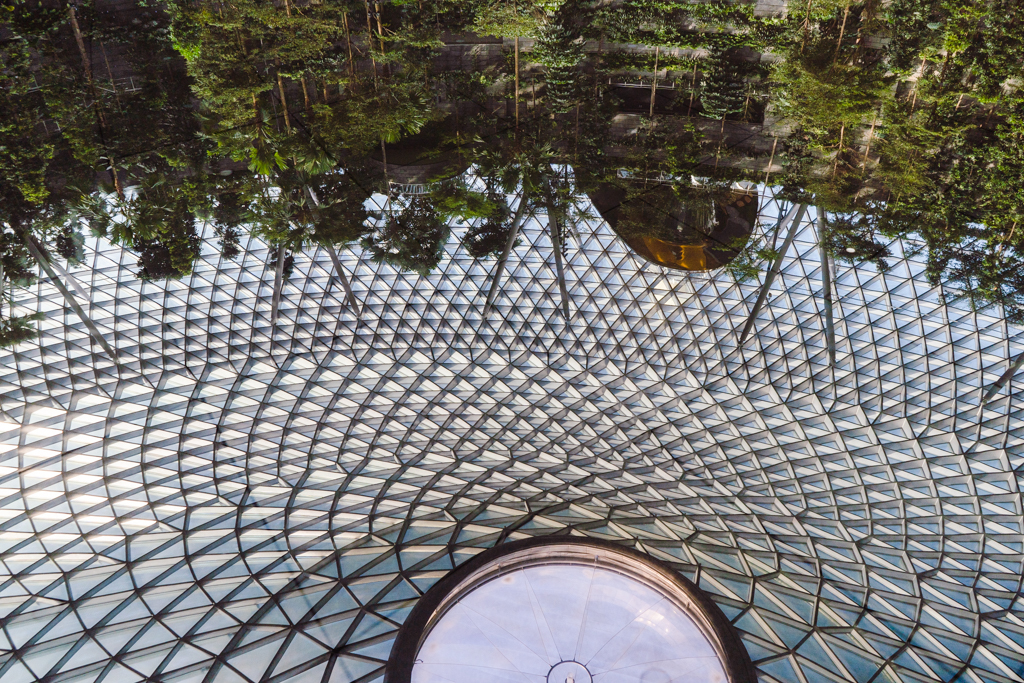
<point x="557" y="610"/>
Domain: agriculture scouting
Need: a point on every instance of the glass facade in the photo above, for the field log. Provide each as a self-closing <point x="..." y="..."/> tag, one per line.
<point x="231" y="501"/>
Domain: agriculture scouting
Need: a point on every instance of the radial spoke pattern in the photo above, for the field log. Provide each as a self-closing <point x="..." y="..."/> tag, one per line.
<point x="617" y="628"/>
<point x="240" y="503"/>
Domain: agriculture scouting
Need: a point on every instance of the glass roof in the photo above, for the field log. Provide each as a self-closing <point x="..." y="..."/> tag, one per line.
<point x="304" y="304"/>
<point x="249" y="501"/>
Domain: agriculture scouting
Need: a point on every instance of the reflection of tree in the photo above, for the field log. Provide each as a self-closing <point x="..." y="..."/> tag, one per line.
<point x="412" y="236"/>
<point x="981" y="39"/>
<point x="510" y="19"/>
<point x="386" y="112"/>
<point x="173" y="246"/>
<point x="228" y="221"/>
<point x="559" y="48"/>
<point x="945" y="170"/>
<point x="337" y="205"/>
<point x="728" y="82"/>
<point x="854" y="237"/>
<point x="487" y="211"/>
<point x="15" y="268"/>
<point x="156" y="220"/>
<point x="676" y="210"/>
<point x="294" y="90"/>
<point x="18" y="329"/>
<point x="827" y="101"/>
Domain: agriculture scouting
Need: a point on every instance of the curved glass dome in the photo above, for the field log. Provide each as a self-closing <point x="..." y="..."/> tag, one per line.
<point x="566" y="612"/>
<point x="703" y="234"/>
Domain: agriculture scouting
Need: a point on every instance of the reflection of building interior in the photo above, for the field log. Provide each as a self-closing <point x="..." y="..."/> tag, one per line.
<point x="417" y="160"/>
<point x="654" y="215"/>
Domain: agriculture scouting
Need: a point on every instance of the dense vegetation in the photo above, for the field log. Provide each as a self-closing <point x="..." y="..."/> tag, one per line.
<point x="282" y="118"/>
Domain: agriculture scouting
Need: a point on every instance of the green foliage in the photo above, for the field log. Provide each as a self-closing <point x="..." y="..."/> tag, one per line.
<point x="909" y="24"/>
<point x="287" y="267"/>
<point x="455" y="199"/>
<point x="727" y="82"/>
<point x="14" y="331"/>
<point x="749" y="261"/>
<point x="657" y="151"/>
<point x="229" y="215"/>
<point x="487" y="211"/>
<point x="25" y="155"/>
<point x="715" y="25"/>
<point x="390" y="112"/>
<point x="824" y="97"/>
<point x="214" y="82"/>
<point x="340" y="217"/>
<point x="412" y="237"/>
<point x="854" y="238"/>
<point x="559" y="48"/>
<point x="906" y="149"/>
<point x="507" y="19"/>
<point x="70" y="244"/>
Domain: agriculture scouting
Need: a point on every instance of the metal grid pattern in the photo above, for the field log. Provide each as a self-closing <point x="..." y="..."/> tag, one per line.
<point x="232" y="503"/>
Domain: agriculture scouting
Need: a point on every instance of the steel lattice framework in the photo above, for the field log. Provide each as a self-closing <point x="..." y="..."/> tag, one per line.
<point x="233" y="502"/>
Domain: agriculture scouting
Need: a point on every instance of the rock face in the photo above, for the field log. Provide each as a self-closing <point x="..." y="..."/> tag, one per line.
<point x="704" y="233"/>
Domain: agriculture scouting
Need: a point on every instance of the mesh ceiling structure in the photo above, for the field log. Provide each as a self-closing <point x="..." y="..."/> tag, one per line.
<point x="234" y="502"/>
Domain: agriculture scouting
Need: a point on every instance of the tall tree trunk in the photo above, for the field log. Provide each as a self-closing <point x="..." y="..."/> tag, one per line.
<point x="100" y="118"/>
<point x="369" y="40"/>
<point x="867" y="150"/>
<point x="576" y="148"/>
<point x="842" y="30"/>
<point x="305" y="98"/>
<point x="913" y="102"/>
<point x="333" y="253"/>
<point x="999" y="249"/>
<point x="81" y="43"/>
<point x="794" y="218"/>
<point x="807" y="19"/>
<point x="284" y="102"/>
<point x="826" y="289"/>
<point x="348" y="44"/>
<point x="693" y="87"/>
<point x="350" y="296"/>
<point x="513" y="232"/>
<point x="517" y="80"/>
<point x="556" y="246"/>
<point x="768" y="171"/>
<point x="110" y="73"/>
<point x="1001" y="382"/>
<point x="275" y="302"/>
<point x="839" y="152"/>
<point x="380" y="28"/>
<point x="69" y="298"/>
<point x="654" y="82"/>
<point x="112" y="165"/>
<point x="721" y="140"/>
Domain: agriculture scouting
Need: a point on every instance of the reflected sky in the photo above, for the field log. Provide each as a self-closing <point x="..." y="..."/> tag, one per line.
<point x="521" y="625"/>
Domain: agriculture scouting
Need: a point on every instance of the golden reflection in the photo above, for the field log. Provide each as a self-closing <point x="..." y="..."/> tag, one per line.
<point x="693" y="228"/>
